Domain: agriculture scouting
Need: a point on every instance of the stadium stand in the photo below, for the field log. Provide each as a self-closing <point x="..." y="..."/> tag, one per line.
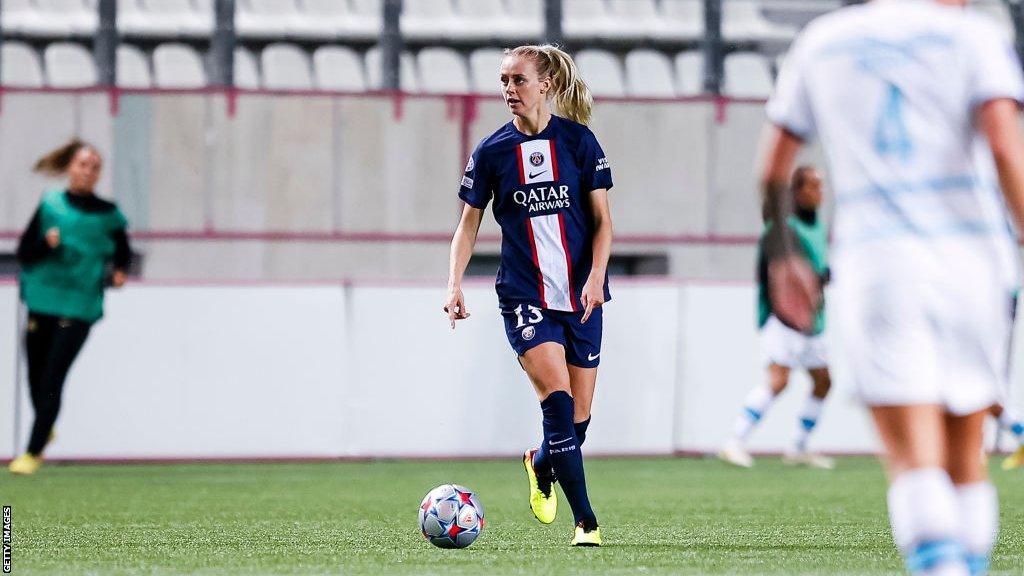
<point x="165" y="18"/>
<point x="485" y="19"/>
<point x="338" y="68"/>
<point x="406" y="73"/>
<point x="585" y="19"/>
<point x="266" y="18"/>
<point x="132" y="68"/>
<point x="635" y="18"/>
<point x="20" y="65"/>
<point x="69" y="65"/>
<point x="742" y="20"/>
<point x="177" y="65"/>
<point x="689" y="67"/>
<point x="247" y="75"/>
<point x="747" y="75"/>
<point x="602" y="71"/>
<point x="649" y="74"/>
<point x="483" y="70"/>
<point x="76" y="15"/>
<point x="286" y="67"/>
<point x="683" y="19"/>
<point x="442" y="71"/>
<point x="430" y="19"/>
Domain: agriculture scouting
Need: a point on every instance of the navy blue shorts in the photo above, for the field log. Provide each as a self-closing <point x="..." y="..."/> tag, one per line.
<point x="528" y="326"/>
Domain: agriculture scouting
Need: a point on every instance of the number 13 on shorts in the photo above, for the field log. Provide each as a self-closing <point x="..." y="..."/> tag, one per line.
<point x="534" y="315"/>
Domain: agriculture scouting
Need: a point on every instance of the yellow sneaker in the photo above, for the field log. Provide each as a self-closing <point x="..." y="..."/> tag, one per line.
<point x="584" y="538"/>
<point x="544" y="507"/>
<point x="25" y="464"/>
<point x="1015" y="460"/>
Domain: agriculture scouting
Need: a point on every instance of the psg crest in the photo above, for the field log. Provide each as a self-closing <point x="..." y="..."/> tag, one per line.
<point x="536" y="158"/>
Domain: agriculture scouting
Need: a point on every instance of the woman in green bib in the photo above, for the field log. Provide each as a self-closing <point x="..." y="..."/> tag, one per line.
<point x="74" y="247"/>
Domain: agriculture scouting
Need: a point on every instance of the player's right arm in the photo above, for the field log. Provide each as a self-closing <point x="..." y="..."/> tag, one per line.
<point x="462" y="250"/>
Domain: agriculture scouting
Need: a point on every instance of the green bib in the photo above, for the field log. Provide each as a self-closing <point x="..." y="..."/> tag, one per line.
<point x="814" y="243"/>
<point x="69" y="281"/>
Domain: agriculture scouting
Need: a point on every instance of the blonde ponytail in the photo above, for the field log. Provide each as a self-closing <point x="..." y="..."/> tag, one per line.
<point x="571" y="94"/>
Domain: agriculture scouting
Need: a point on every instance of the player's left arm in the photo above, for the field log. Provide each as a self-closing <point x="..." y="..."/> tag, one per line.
<point x="794" y="287"/>
<point x="593" y="291"/>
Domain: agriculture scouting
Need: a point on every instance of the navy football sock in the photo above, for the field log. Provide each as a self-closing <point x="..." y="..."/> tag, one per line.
<point x="566" y="458"/>
<point x="581" y="430"/>
<point x="542" y="460"/>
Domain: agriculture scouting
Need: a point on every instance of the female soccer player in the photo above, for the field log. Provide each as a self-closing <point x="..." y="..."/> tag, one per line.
<point x="64" y="253"/>
<point x="916" y="104"/>
<point x="785" y="348"/>
<point x="549" y="181"/>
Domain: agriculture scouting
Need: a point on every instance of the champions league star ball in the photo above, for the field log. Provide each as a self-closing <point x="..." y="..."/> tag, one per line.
<point x="451" y="516"/>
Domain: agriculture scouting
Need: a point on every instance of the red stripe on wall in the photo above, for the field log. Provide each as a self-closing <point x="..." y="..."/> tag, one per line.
<point x="533" y="249"/>
<point x="565" y="248"/>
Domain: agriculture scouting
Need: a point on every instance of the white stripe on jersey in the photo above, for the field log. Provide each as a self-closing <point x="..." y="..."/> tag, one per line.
<point x="551" y="253"/>
<point x="537" y="162"/>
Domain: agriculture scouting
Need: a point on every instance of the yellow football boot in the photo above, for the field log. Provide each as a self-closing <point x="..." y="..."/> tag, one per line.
<point x="585" y="538"/>
<point x="25" y="464"/>
<point x="1015" y="460"/>
<point x="544" y="507"/>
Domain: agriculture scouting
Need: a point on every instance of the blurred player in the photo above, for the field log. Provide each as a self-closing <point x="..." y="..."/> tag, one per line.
<point x="916" y="105"/>
<point x="785" y="348"/>
<point x="64" y="254"/>
<point x="549" y="181"/>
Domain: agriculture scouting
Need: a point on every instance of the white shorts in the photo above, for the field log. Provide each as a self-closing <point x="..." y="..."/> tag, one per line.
<point x="784" y="346"/>
<point x="926" y="342"/>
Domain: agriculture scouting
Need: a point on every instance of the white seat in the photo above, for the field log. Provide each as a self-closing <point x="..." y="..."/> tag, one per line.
<point x="602" y="72"/>
<point x="164" y="18"/>
<point x="406" y="71"/>
<point x="338" y="68"/>
<point x="442" y="71"/>
<point x="742" y="21"/>
<point x="247" y="75"/>
<point x="286" y="67"/>
<point x="177" y="66"/>
<point x="682" y="19"/>
<point x="429" y="19"/>
<point x="747" y="75"/>
<point x="69" y="65"/>
<point x="484" y="66"/>
<point x="484" y="19"/>
<point x="23" y="17"/>
<point x="649" y="74"/>
<point x="689" y="73"/>
<point x="132" y="68"/>
<point x="365" y="20"/>
<point x="586" y="19"/>
<point x="635" y="18"/>
<point x="20" y="65"/>
<point x="266" y="18"/>
<point x="78" y="15"/>
<point x="526" y="17"/>
<point x="322" y="19"/>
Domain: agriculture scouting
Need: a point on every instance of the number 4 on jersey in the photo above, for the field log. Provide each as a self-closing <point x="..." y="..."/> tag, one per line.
<point x="891" y="135"/>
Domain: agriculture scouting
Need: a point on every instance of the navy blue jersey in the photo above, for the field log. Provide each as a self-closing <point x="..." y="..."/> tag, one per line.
<point x="540" y="186"/>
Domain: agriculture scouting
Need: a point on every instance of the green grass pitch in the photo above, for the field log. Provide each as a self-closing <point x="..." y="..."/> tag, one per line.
<point x="658" y="516"/>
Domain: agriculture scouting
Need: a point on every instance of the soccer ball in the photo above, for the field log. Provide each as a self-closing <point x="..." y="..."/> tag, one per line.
<point x="451" y="516"/>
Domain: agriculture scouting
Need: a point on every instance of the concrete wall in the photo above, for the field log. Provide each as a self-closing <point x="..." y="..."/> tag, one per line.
<point x="187" y="165"/>
<point x="326" y="370"/>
